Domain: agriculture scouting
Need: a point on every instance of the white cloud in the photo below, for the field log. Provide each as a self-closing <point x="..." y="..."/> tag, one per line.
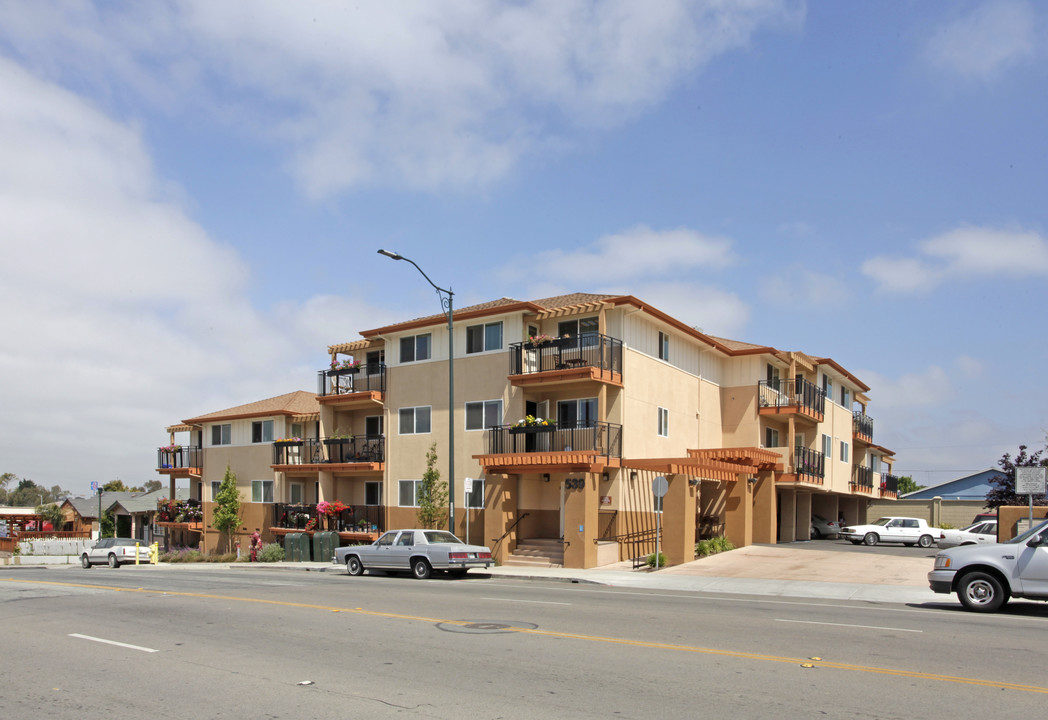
<point x="796" y="286"/>
<point x="418" y="94"/>
<point x="120" y="315"/>
<point x="634" y="254"/>
<point x="929" y="388"/>
<point x="963" y="253"/>
<point x="989" y="39"/>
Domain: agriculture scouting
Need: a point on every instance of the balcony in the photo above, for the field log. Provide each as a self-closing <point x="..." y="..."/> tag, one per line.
<point x="349" y="385"/>
<point x="367" y="449"/>
<point x="180" y="460"/>
<point x="797" y="397"/>
<point x="809" y="466"/>
<point x="862" y="427"/>
<point x="589" y="356"/>
<point x="365" y="519"/>
<point x="889" y="486"/>
<point x="862" y="480"/>
<point x="587" y="448"/>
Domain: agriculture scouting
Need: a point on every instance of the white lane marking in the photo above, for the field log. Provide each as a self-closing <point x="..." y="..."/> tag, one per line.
<point x="113" y="642"/>
<point x="536" y="602"/>
<point x="862" y="627"/>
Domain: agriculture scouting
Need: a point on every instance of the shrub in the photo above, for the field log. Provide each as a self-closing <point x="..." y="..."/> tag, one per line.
<point x="271" y="553"/>
<point x="662" y="560"/>
<point x="712" y="546"/>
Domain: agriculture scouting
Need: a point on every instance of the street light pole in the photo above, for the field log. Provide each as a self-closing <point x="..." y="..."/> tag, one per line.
<point x="447" y="303"/>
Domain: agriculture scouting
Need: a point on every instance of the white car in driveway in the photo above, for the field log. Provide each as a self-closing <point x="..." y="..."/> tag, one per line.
<point x="980" y="533"/>
<point x="419" y="552"/>
<point x="115" y="552"/>
<point x="905" y="530"/>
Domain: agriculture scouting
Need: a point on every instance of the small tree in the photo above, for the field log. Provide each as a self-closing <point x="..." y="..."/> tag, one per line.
<point x="1002" y="485"/>
<point x="432" y="495"/>
<point x="226" y="518"/>
<point x="106" y="526"/>
<point x="906" y="484"/>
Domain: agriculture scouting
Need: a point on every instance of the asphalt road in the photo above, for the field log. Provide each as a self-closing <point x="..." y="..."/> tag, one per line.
<point x="187" y="642"/>
<point x="894" y="549"/>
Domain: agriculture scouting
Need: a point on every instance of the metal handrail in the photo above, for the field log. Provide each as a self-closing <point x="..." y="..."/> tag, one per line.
<point x="498" y="541"/>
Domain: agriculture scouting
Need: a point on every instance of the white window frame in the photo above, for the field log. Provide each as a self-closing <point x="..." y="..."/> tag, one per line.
<point x="664" y="422"/>
<point x="301" y="487"/>
<point x="216" y="485"/>
<point x="265" y="431"/>
<point x="372" y="421"/>
<point x="477" y="494"/>
<point x="377" y="485"/>
<point x="415" y="420"/>
<point x="485" y="405"/>
<point x="225" y="434"/>
<point x="844" y="451"/>
<point x="259" y="490"/>
<point x="827" y="447"/>
<point x="415" y="491"/>
<point x="415" y="348"/>
<point x="771" y="437"/>
<point x="490" y="339"/>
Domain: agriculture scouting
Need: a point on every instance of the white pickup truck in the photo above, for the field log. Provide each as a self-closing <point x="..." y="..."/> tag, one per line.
<point x="985" y="577"/>
<point x="906" y="530"/>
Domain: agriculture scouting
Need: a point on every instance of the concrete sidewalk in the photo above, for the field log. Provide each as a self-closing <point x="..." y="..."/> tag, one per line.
<point x="770" y="570"/>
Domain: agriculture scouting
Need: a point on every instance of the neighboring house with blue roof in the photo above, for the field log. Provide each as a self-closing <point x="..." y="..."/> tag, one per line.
<point x="970" y="487"/>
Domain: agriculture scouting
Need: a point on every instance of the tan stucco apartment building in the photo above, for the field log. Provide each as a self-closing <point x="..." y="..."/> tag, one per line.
<point x="566" y="410"/>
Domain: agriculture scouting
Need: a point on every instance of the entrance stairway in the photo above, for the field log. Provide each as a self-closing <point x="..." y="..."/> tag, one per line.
<point x="537" y="552"/>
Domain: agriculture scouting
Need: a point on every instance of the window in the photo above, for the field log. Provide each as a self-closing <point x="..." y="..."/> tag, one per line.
<point x="373" y="425"/>
<point x="409" y="492"/>
<point x="664" y="422"/>
<point x="221" y="434"/>
<point x="845" y="397"/>
<point x="827" y="446"/>
<point x="875" y="463"/>
<point x="415" y="348"/>
<point x="484" y="338"/>
<point x="475" y="499"/>
<point x="773" y="376"/>
<point x="827" y="386"/>
<point x="414" y="420"/>
<point x="262" y="491"/>
<point x="296" y="493"/>
<point x="771" y="438"/>
<point x="585" y="329"/>
<point x="215" y="485"/>
<point x="262" y="431"/>
<point x="844" y="451"/>
<point x="577" y="413"/>
<point x="296" y="430"/>
<point x="664" y="347"/>
<point x="372" y="493"/>
<point x="483" y="415"/>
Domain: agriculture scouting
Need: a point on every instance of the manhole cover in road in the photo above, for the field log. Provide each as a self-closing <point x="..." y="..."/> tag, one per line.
<point x="478" y="627"/>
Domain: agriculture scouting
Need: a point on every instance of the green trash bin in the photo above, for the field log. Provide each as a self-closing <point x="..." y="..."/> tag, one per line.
<point x="324" y="544"/>
<point x="294" y="543"/>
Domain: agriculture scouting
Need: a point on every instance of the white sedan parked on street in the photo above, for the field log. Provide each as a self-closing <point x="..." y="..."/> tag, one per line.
<point x="419" y="552"/>
<point x="978" y="534"/>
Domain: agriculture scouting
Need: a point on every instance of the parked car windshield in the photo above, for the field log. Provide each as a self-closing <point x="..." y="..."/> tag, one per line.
<point x="881" y="521"/>
<point x="1043" y="527"/>
<point x="441" y="536"/>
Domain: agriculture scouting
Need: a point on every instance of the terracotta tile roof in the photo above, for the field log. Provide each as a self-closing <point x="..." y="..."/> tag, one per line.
<point x="294" y="403"/>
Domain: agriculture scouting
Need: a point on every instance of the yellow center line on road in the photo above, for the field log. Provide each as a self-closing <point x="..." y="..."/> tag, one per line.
<point x="573" y="636"/>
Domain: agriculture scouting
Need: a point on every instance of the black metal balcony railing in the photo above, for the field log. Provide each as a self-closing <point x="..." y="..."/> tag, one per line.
<point x="791" y="393"/>
<point x="601" y="437"/>
<point x="186" y="456"/>
<point x="889" y="484"/>
<point x="370" y="377"/>
<point x="365" y="518"/>
<point x="862" y="479"/>
<point x="809" y="465"/>
<point x="585" y="350"/>
<point x="862" y="424"/>
<point x="367" y="448"/>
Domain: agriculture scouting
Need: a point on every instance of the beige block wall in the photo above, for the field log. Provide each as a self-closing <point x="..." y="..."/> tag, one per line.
<point x="958" y="513"/>
<point x="653" y="384"/>
<point x="250" y="462"/>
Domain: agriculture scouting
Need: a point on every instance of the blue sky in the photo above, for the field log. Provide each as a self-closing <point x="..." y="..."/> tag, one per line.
<point x="192" y="194"/>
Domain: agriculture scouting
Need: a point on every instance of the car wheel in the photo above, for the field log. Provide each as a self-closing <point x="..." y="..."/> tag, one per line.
<point x="354" y="566"/>
<point x="925" y="541"/>
<point x="871" y="539"/>
<point x="84" y="561"/>
<point x="816" y="535"/>
<point x="420" y="568"/>
<point x="981" y="592"/>
<point x="112" y="561"/>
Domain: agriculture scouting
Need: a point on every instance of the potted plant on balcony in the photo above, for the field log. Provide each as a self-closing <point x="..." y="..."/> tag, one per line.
<point x="350" y="366"/>
<point x="530" y="423"/>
